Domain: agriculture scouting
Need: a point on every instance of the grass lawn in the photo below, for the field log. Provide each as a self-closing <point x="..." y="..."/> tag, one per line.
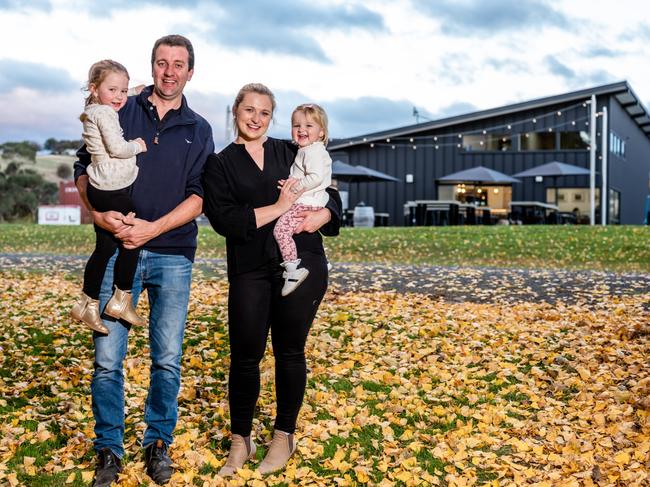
<point x="617" y="248"/>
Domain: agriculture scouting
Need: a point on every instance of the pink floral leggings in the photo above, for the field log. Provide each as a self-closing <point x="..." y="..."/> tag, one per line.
<point x="286" y="227"/>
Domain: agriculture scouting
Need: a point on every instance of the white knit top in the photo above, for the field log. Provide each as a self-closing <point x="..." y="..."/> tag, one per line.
<point x="313" y="168"/>
<point x="112" y="158"/>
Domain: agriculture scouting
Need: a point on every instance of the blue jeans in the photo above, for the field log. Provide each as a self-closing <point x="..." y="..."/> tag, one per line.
<point x="166" y="278"/>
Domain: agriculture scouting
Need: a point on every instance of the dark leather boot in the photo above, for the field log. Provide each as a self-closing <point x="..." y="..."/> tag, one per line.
<point x="158" y="463"/>
<point x="107" y="469"/>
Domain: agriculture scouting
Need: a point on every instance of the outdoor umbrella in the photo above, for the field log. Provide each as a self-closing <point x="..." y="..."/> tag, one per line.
<point x="358" y="174"/>
<point x="554" y="169"/>
<point x="479" y="174"/>
<point x="345" y="172"/>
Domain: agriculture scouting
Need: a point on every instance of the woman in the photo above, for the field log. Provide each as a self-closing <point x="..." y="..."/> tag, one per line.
<point x="242" y="200"/>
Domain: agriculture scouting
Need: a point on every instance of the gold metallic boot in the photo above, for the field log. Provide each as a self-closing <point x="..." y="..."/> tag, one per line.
<point x="239" y="454"/>
<point x="87" y="310"/>
<point x="120" y="307"/>
<point x="281" y="449"/>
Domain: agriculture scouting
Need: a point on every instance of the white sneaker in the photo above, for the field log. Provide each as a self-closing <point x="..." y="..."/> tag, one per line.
<point x="293" y="276"/>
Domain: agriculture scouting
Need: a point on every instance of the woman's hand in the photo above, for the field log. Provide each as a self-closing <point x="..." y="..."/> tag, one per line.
<point x="289" y="193"/>
<point x="313" y="220"/>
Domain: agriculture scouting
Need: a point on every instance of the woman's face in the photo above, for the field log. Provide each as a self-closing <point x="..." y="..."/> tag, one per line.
<point x="253" y="116"/>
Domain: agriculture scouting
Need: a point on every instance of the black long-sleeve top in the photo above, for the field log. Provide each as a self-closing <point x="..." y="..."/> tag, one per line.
<point x="234" y="185"/>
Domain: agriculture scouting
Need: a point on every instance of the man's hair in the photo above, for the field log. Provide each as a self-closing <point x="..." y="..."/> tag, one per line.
<point x="175" y="40"/>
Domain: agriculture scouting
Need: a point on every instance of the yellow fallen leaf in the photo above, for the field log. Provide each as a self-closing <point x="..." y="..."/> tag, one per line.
<point x="622" y="458"/>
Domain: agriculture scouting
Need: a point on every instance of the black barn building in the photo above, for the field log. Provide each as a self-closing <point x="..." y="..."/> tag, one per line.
<point x="511" y="139"/>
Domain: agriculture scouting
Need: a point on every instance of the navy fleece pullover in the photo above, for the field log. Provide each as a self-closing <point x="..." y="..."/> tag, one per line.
<point x="170" y="171"/>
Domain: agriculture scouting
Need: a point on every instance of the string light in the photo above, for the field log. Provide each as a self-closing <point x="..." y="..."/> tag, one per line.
<point x="413" y="140"/>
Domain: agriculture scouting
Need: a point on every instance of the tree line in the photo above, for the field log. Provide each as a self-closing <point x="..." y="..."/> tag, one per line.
<point x="28" y="149"/>
<point x="23" y="190"/>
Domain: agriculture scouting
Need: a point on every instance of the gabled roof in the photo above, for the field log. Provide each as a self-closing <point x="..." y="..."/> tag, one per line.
<point x="621" y="90"/>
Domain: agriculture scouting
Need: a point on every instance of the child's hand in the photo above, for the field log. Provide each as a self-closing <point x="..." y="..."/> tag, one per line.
<point x="142" y="144"/>
<point x="138" y="89"/>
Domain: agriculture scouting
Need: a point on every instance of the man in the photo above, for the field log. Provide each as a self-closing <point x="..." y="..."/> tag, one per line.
<point x="168" y="197"/>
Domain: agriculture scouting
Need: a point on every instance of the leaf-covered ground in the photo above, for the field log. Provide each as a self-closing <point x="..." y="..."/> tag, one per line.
<point x="404" y="389"/>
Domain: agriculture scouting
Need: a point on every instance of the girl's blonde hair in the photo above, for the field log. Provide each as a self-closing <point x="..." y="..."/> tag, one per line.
<point x="317" y="114"/>
<point x="98" y="73"/>
<point x="258" y="88"/>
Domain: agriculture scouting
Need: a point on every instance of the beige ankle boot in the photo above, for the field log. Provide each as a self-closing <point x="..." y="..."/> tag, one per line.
<point x="120" y="307"/>
<point x="87" y="310"/>
<point x="239" y="454"/>
<point x="281" y="449"/>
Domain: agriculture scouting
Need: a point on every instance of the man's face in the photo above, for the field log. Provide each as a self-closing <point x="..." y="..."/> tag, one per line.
<point x="171" y="71"/>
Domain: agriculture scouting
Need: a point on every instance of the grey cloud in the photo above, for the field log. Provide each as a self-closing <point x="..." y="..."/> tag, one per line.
<point x="36" y="117"/>
<point x="15" y="74"/>
<point x="508" y="65"/>
<point x="600" y="77"/>
<point x="456" y="68"/>
<point x="290" y="28"/>
<point x="349" y="117"/>
<point x="22" y="5"/>
<point x="559" y="69"/>
<point x="456" y="108"/>
<point x="601" y="51"/>
<point x="478" y="17"/>
<point x="642" y="30"/>
<point x="268" y="26"/>
<point x="575" y="79"/>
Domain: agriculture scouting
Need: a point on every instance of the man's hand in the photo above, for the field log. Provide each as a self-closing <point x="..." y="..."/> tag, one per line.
<point x="313" y="220"/>
<point x="113" y="221"/>
<point x="137" y="232"/>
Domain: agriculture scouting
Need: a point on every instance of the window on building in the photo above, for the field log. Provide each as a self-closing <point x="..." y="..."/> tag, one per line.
<point x="537" y="141"/>
<point x="614" y="206"/>
<point x="499" y="142"/>
<point x="487" y="142"/>
<point x="616" y="145"/>
<point x="473" y="143"/>
<point x="574" y="140"/>
<point x="572" y="200"/>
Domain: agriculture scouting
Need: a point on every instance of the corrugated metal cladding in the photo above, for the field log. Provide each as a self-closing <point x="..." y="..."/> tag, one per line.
<point x="427" y="164"/>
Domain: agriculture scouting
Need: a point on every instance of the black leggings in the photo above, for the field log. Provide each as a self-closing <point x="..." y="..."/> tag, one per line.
<point x="255" y="305"/>
<point x="106" y="244"/>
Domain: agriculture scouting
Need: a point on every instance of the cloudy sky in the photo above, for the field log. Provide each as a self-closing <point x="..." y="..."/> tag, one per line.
<point x="368" y="62"/>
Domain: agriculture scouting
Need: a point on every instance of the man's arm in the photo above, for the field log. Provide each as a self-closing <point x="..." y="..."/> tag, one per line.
<point x="138" y="232"/>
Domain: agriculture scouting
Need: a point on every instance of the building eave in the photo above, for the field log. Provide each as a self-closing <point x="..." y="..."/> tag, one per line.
<point x="624" y="95"/>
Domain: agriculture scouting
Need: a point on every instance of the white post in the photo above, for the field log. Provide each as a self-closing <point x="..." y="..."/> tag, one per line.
<point x="604" y="130"/>
<point x="592" y="163"/>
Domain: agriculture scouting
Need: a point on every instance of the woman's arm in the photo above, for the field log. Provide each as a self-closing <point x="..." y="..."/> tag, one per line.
<point x="226" y="214"/>
<point x="327" y="220"/>
<point x="266" y="214"/>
